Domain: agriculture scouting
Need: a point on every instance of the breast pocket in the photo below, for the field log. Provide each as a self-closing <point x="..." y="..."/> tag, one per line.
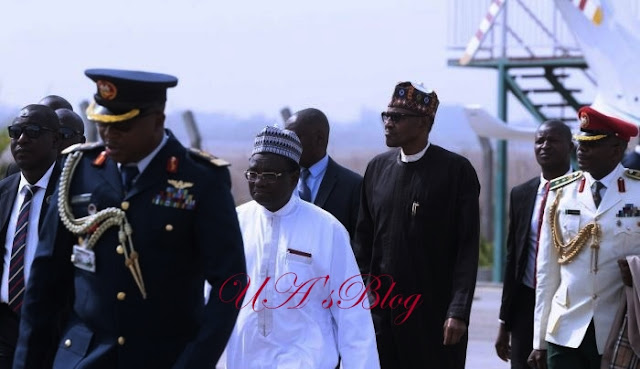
<point x="627" y="233"/>
<point x="300" y="282"/>
<point x="627" y="225"/>
<point x="569" y="223"/>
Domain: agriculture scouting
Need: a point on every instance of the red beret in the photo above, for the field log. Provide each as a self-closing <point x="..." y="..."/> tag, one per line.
<point x="596" y="126"/>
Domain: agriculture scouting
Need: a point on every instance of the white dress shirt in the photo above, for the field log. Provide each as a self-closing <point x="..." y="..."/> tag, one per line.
<point x="32" y="229"/>
<point x="300" y="327"/>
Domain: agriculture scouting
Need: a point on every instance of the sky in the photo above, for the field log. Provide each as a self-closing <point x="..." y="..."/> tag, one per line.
<point x="243" y="58"/>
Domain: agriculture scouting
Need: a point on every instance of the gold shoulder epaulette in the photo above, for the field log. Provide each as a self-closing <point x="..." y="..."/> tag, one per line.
<point x="82" y="147"/>
<point x="209" y="158"/>
<point x="633" y="174"/>
<point x="564" y="180"/>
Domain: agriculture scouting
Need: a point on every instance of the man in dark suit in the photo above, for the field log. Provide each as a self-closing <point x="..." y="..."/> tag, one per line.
<point x="24" y="199"/>
<point x="552" y="147"/>
<point x="144" y="222"/>
<point x="71" y="125"/>
<point x="324" y="182"/>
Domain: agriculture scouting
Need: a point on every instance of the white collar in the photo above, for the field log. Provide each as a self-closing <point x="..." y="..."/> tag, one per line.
<point x="43" y="182"/>
<point x="413" y="157"/>
<point x="608" y="180"/>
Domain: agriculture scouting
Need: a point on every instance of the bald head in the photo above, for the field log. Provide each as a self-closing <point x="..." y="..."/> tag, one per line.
<point x="55" y="102"/>
<point x="71" y="128"/>
<point x="312" y="127"/>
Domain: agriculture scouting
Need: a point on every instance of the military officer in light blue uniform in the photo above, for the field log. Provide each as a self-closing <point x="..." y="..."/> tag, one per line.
<point x="140" y="223"/>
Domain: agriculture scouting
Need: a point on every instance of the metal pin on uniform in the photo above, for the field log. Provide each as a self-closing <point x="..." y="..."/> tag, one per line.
<point x="414" y="208"/>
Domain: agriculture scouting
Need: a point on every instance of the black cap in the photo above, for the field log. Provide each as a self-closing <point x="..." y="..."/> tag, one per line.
<point x="124" y="94"/>
<point x="37" y="114"/>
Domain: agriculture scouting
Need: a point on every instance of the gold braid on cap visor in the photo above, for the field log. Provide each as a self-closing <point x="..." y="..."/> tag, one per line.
<point x="589" y="138"/>
<point x="104" y="118"/>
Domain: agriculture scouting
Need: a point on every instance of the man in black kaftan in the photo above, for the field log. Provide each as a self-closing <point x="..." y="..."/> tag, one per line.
<point x="417" y="237"/>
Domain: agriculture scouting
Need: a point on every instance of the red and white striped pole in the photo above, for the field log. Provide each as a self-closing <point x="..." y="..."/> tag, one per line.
<point x="485" y="25"/>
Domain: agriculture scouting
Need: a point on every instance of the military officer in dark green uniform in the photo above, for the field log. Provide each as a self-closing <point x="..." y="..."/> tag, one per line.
<point x="140" y="223"/>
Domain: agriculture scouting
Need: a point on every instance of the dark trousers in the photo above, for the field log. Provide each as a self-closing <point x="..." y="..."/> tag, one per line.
<point x="522" y="326"/>
<point x="584" y="357"/>
<point x="9" y="322"/>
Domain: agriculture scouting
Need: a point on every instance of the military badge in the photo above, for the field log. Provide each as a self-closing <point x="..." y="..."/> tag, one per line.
<point x="83" y="258"/>
<point x="176" y="196"/>
<point x="633" y="174"/>
<point x="80" y="198"/>
<point x="584" y="120"/>
<point x="628" y="211"/>
<point x="180" y="184"/>
<point x="107" y="90"/>
<point x="100" y="159"/>
<point x="172" y="165"/>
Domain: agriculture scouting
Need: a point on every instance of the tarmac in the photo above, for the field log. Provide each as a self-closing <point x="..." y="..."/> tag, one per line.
<point x="483" y="328"/>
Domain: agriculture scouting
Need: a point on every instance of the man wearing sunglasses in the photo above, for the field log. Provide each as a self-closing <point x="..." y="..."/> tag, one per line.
<point x="419" y="227"/>
<point x="142" y="222"/>
<point x="71" y="127"/>
<point x="24" y="199"/>
<point x="298" y="257"/>
<point x="54" y="102"/>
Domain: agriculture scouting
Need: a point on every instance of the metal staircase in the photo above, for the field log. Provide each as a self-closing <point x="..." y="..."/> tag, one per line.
<point x="531" y="44"/>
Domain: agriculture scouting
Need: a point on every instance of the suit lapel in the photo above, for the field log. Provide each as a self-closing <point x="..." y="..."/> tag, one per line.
<point x="611" y="197"/>
<point x="328" y="182"/>
<point x="51" y="186"/>
<point x="586" y="198"/>
<point x="111" y="174"/>
<point x="530" y="198"/>
<point x="8" y="195"/>
<point x="527" y="206"/>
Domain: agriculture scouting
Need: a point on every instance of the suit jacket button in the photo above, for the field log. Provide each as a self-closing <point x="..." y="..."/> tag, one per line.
<point x="121" y="296"/>
<point x="594" y="296"/>
<point x="124" y="205"/>
<point x="120" y="249"/>
<point x="168" y="227"/>
<point x="67" y="343"/>
<point x="120" y="340"/>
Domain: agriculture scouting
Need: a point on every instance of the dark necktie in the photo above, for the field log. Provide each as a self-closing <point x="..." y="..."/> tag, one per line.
<point x="305" y="191"/>
<point x="596" y="189"/>
<point x="128" y="173"/>
<point x="16" y="265"/>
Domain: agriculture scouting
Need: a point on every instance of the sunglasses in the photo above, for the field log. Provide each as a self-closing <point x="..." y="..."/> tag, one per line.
<point x="391" y="117"/>
<point x="269" y="177"/>
<point x="68" y="133"/>
<point x="31" y="130"/>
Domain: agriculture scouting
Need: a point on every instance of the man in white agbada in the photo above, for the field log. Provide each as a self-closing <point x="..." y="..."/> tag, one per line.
<point x="297" y="312"/>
